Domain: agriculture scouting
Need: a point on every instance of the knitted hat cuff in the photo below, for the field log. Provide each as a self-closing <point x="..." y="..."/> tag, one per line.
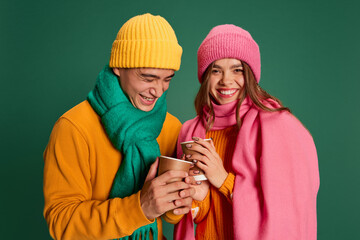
<point x="146" y="53"/>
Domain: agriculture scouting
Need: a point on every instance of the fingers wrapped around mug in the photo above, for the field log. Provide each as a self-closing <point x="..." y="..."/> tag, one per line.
<point x="205" y="157"/>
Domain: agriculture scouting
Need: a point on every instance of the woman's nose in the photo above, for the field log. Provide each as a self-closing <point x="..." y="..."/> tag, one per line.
<point x="226" y="78"/>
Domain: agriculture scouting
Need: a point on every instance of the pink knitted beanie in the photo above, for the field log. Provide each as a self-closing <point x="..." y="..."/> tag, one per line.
<point x="229" y="41"/>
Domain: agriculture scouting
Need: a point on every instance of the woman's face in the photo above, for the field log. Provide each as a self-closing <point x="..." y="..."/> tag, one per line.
<point x="226" y="80"/>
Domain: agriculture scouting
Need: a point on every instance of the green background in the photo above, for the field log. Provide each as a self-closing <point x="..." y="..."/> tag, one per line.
<point x="51" y="52"/>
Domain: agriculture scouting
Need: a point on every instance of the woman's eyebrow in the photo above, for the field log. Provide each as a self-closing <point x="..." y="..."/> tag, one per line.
<point x="237" y="66"/>
<point x="233" y="66"/>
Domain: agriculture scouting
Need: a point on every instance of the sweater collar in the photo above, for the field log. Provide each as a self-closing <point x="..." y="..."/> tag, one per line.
<point x="225" y="114"/>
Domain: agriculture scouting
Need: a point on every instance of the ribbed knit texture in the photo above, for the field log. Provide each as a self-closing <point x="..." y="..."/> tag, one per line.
<point x="229" y="41"/>
<point x="218" y="224"/>
<point x="146" y="41"/>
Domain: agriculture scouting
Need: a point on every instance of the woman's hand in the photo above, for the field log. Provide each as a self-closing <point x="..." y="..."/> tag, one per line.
<point x="201" y="187"/>
<point x="208" y="160"/>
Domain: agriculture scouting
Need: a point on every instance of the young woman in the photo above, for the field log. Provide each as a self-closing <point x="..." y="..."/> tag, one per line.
<point x="261" y="164"/>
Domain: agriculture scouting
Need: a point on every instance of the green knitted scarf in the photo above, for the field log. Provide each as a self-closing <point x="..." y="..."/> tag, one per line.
<point x="133" y="132"/>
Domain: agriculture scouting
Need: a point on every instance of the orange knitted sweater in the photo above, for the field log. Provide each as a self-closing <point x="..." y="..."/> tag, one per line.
<point x="80" y="166"/>
<point x="213" y="215"/>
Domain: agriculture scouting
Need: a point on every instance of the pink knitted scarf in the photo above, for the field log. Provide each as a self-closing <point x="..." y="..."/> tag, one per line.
<point x="276" y="168"/>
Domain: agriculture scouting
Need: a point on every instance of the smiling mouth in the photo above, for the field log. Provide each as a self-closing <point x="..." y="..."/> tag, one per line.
<point x="227" y="92"/>
<point x="147" y="100"/>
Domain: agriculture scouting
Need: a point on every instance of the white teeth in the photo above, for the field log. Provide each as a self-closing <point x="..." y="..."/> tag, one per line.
<point x="227" y="92"/>
<point x="147" y="99"/>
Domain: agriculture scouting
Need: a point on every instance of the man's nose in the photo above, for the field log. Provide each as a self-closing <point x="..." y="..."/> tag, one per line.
<point x="157" y="89"/>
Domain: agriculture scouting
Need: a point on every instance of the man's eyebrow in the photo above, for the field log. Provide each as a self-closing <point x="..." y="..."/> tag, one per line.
<point x="146" y="75"/>
<point x="170" y="76"/>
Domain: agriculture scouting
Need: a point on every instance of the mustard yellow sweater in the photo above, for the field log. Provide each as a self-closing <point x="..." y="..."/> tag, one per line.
<point x="80" y="166"/>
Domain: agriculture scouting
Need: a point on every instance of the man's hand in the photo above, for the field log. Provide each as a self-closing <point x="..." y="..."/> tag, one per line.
<point x="158" y="197"/>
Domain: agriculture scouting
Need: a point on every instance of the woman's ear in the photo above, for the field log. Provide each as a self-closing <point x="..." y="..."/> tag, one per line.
<point x="116" y="71"/>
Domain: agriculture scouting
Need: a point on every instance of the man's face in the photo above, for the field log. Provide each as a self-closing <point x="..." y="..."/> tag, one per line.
<point x="144" y="86"/>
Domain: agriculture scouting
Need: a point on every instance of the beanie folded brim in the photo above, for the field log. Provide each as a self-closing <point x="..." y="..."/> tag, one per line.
<point x="146" y="53"/>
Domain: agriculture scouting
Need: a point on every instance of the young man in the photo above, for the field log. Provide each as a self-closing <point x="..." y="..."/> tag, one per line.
<point x="100" y="162"/>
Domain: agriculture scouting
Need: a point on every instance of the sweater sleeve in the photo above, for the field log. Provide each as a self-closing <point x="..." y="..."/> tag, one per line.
<point x="228" y="186"/>
<point x="200" y="209"/>
<point x="70" y="210"/>
<point x="170" y="217"/>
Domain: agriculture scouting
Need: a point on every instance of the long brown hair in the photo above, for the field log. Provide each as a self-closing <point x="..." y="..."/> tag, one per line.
<point x="251" y="89"/>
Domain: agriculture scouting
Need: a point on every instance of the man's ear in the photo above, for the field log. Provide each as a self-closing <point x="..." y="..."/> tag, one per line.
<point x="116" y="71"/>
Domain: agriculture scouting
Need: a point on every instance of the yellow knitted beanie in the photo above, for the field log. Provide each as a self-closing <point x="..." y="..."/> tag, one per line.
<point x="146" y="41"/>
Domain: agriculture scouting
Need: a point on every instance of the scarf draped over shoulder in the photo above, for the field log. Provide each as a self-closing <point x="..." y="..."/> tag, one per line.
<point x="276" y="169"/>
